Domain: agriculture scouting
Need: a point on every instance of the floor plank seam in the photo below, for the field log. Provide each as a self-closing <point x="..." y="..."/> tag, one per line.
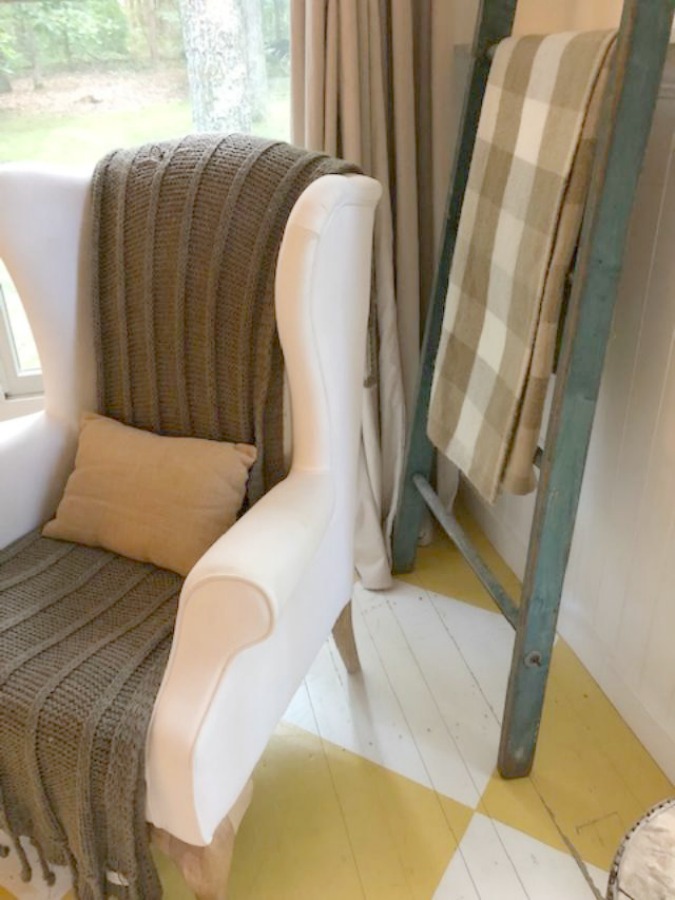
<point x="458" y="849"/>
<point x="466" y="662"/>
<point x="338" y="798"/>
<point x="441" y="717"/>
<point x="576" y="856"/>
<point x="437" y="795"/>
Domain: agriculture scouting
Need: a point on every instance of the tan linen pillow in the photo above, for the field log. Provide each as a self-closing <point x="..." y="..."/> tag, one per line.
<point x="163" y="500"/>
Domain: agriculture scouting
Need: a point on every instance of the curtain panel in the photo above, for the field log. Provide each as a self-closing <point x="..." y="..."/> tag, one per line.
<point x="372" y="81"/>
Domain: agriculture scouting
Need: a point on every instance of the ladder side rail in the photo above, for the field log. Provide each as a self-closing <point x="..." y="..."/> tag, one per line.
<point x="495" y="22"/>
<point x="628" y="111"/>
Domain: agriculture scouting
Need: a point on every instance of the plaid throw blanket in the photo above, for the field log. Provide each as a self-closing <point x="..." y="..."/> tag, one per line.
<point x="518" y="230"/>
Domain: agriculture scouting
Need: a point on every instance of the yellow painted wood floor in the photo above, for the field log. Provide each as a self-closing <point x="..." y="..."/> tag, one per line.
<point x="383" y="785"/>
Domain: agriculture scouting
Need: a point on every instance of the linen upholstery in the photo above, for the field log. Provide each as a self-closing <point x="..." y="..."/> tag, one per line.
<point x="518" y="230"/>
<point x="162" y="500"/>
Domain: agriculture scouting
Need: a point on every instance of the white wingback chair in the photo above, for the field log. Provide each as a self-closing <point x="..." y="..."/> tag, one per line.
<point x="258" y="605"/>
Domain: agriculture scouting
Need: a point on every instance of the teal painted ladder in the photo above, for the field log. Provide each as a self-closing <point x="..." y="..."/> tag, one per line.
<point x="629" y="106"/>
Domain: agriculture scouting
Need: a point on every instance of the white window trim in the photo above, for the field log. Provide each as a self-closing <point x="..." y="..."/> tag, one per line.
<point x="15" y="407"/>
<point x="16" y="382"/>
<point x="21" y="392"/>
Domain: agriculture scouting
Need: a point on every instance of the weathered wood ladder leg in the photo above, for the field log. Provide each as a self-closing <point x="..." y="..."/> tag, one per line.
<point x="494" y="23"/>
<point x="638" y="64"/>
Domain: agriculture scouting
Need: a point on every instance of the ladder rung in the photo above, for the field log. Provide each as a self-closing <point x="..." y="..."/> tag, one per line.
<point x="465" y="546"/>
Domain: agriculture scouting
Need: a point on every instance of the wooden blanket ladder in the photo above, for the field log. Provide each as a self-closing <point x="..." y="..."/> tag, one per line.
<point x="628" y="109"/>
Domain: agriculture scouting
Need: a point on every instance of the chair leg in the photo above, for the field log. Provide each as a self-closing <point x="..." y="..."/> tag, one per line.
<point x="343" y="633"/>
<point x="206" y="870"/>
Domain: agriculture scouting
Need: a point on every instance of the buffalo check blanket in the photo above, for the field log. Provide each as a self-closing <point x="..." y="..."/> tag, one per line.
<point x="517" y="234"/>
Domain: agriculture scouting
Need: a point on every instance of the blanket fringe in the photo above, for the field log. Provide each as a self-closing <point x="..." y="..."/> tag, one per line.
<point x="47" y="873"/>
<point x="26" y="870"/>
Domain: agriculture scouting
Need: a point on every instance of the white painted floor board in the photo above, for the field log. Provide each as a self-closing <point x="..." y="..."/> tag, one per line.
<point x="456" y="883"/>
<point x="545" y="872"/>
<point x="360" y="713"/>
<point x="485" y="641"/>
<point x="452" y="684"/>
<point x="442" y="758"/>
<point x="491" y="869"/>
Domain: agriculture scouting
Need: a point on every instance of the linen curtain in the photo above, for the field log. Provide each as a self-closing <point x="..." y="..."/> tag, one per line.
<point x="372" y="81"/>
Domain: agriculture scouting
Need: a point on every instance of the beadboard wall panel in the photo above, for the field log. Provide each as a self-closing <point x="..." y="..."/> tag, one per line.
<point x="618" y="608"/>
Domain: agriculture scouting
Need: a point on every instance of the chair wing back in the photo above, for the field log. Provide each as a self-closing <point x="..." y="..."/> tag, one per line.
<point x="322" y="293"/>
<point x="322" y="286"/>
<point x="44" y="239"/>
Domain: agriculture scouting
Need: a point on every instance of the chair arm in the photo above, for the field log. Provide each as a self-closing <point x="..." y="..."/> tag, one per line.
<point x="271" y="545"/>
<point x="36" y="456"/>
<point x="231" y="600"/>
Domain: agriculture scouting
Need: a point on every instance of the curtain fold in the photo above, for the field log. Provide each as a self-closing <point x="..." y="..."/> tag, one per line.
<point x="371" y="82"/>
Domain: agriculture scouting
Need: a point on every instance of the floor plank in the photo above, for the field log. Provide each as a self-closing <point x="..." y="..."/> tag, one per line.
<point x="492" y="871"/>
<point x="457" y="693"/>
<point x="443" y="761"/>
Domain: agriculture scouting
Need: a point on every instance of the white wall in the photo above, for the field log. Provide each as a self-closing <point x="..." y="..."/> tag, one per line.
<point x="540" y="16"/>
<point x="618" y="609"/>
<point x="536" y="17"/>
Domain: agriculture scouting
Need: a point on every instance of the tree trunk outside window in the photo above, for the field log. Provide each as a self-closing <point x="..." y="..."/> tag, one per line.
<point x="225" y="61"/>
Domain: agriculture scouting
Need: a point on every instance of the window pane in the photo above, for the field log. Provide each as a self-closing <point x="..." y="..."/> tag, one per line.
<point x="80" y="77"/>
<point x="21" y="337"/>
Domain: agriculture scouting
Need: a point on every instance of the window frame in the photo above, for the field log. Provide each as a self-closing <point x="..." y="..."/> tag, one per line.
<point x="21" y="392"/>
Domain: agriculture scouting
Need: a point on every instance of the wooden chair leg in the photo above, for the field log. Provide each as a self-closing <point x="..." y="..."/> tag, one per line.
<point x="206" y="870"/>
<point x="343" y="633"/>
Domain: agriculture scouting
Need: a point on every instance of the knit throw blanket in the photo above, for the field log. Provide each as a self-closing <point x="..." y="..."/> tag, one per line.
<point x="518" y="230"/>
<point x="84" y="639"/>
<point x="186" y="237"/>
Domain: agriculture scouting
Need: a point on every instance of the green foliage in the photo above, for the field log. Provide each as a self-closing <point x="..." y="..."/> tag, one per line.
<point x="169" y="29"/>
<point x="45" y="35"/>
<point x="276" y="29"/>
<point x="276" y="17"/>
<point x="9" y="58"/>
<point x="155" y="29"/>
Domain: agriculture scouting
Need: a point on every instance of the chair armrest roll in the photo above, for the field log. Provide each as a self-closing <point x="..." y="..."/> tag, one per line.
<point x="271" y="545"/>
<point x="230" y="601"/>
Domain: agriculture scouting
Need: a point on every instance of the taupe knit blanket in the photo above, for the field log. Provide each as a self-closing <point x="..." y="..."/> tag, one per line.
<point x="189" y="233"/>
<point x="84" y="639"/>
<point x="186" y="237"/>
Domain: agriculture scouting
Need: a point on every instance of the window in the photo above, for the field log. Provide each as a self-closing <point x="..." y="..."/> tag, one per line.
<point x="81" y="77"/>
<point x="20" y="375"/>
